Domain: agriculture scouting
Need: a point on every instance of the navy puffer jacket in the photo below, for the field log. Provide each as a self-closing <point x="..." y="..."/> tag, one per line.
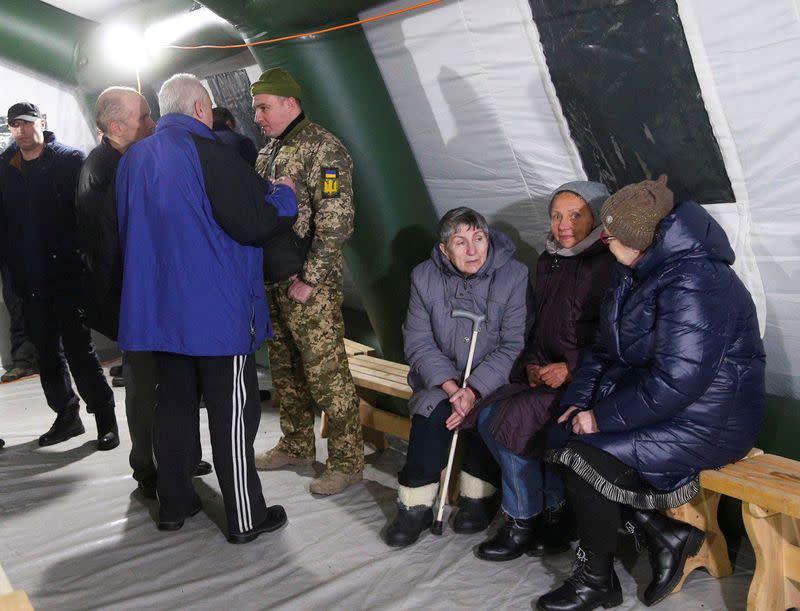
<point x="676" y="378"/>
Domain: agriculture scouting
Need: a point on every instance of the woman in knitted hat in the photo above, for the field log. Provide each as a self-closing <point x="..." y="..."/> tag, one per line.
<point x="572" y="275"/>
<point x="673" y="385"/>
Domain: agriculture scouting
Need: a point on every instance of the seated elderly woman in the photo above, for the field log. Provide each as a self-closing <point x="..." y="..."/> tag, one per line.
<point x="473" y="269"/>
<point x="572" y="275"/>
<point x="673" y="385"/>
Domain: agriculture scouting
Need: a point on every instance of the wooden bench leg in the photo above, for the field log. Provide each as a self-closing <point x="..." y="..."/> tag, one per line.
<point x="374" y="438"/>
<point x="775" y="541"/>
<point x="701" y="512"/>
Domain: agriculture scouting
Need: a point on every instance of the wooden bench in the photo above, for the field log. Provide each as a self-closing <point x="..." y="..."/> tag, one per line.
<point x="373" y="377"/>
<point x="769" y="488"/>
<point x="10" y="599"/>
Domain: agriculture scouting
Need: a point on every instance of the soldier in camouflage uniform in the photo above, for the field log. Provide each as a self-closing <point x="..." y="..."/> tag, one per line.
<point x="303" y="273"/>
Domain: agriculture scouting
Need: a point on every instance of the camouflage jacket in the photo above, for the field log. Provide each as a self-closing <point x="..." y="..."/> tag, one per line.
<point x="321" y="168"/>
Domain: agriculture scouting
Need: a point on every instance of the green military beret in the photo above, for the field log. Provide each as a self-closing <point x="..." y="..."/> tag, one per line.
<point x="277" y="82"/>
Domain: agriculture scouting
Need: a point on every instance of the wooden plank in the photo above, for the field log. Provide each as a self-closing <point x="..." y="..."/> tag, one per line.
<point x="380" y="384"/>
<point x="769" y="481"/>
<point x="357" y="369"/>
<point x="352" y="348"/>
<point x="15" y="601"/>
<point x="383" y="421"/>
<point x="380" y="364"/>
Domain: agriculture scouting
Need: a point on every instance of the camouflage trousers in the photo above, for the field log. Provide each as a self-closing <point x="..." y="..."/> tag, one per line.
<point x="309" y="366"/>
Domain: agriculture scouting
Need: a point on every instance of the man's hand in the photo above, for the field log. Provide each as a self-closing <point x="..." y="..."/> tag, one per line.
<point x="584" y="423"/>
<point x="285" y="180"/>
<point x="554" y="374"/>
<point x="534" y="378"/>
<point x="463" y="402"/>
<point x="299" y="291"/>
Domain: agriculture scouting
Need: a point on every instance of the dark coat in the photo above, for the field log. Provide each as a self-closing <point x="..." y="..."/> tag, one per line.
<point x="98" y="237"/>
<point x="676" y="379"/>
<point x="37" y="219"/>
<point x="567" y="297"/>
<point x="436" y="345"/>
<point x="243" y="145"/>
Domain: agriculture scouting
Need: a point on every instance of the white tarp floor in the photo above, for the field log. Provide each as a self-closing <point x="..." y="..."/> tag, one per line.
<point x="74" y="535"/>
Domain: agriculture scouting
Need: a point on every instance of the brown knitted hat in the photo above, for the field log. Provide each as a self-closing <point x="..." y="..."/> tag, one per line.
<point x="632" y="214"/>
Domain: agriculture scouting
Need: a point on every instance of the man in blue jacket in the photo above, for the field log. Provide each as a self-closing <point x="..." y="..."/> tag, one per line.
<point x="39" y="242"/>
<point x="192" y="215"/>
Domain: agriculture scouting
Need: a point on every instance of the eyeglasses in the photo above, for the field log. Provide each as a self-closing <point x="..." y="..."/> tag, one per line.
<point x="605" y="238"/>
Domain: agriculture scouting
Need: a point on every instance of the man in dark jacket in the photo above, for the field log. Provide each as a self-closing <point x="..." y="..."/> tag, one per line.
<point x="123" y="117"/>
<point x="192" y="215"/>
<point x="225" y="130"/>
<point x="37" y="221"/>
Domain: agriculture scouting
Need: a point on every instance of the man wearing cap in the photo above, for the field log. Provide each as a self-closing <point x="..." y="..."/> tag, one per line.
<point x="304" y="287"/>
<point x="37" y="221"/>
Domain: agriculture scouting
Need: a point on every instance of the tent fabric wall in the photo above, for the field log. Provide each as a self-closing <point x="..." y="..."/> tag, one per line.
<point x="470" y="83"/>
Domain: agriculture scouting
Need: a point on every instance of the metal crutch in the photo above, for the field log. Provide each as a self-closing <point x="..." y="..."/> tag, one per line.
<point x="438" y="526"/>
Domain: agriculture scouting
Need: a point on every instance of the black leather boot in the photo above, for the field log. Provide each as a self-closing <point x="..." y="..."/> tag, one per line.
<point x="593" y="584"/>
<point x="511" y="540"/>
<point x="67" y="424"/>
<point x="474" y="515"/>
<point x="107" y="431"/>
<point x="555" y="528"/>
<point x="669" y="544"/>
<point x="408" y="525"/>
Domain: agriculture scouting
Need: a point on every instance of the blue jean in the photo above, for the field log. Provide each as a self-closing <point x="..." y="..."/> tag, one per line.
<point x="528" y="484"/>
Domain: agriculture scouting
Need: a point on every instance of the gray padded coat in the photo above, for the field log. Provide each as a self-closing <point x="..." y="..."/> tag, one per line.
<point x="437" y="345"/>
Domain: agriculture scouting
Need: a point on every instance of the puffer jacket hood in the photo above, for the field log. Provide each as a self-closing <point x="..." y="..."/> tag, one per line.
<point x="688" y="232"/>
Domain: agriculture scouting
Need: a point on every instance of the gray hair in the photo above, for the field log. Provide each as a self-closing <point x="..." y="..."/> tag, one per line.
<point x="455" y="218"/>
<point x="179" y="93"/>
<point x="111" y="106"/>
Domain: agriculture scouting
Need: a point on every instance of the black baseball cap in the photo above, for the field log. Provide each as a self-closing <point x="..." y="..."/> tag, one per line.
<point x="23" y="110"/>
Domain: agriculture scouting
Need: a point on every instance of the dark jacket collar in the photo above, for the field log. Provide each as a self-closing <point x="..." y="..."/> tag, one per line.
<point x="13" y="156"/>
<point x="295" y="127"/>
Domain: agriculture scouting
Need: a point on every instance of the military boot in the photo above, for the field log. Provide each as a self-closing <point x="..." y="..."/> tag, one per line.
<point x="333" y="482"/>
<point x="278" y="459"/>
<point x="669" y="544"/>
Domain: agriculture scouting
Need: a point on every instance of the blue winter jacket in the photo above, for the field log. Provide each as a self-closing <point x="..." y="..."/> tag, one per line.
<point x="192" y="215"/>
<point x="676" y="378"/>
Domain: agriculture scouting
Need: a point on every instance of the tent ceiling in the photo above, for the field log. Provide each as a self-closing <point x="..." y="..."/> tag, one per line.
<point x="96" y="10"/>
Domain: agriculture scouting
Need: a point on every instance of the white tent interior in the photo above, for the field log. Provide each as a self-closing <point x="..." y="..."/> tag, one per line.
<point x="470" y="82"/>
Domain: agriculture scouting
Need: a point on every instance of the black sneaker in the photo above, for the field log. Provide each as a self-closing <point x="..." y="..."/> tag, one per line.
<point x="276" y="517"/>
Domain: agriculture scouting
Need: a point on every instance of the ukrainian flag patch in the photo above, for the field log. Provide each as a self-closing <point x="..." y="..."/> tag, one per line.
<point x="330" y="182"/>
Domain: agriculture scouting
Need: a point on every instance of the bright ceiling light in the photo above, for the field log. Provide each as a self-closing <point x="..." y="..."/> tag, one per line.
<point x="175" y="28"/>
<point x="125" y="46"/>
